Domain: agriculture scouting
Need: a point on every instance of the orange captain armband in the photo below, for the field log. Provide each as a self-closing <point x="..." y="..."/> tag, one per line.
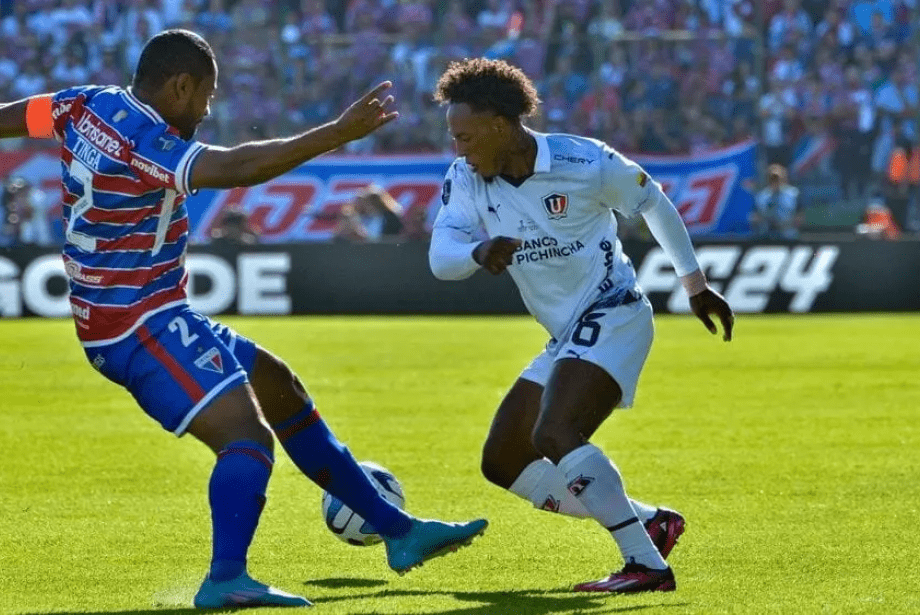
<point x="38" y="117"/>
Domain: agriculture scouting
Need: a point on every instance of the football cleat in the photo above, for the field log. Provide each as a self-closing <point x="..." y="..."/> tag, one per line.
<point x="427" y="539"/>
<point x="634" y="578"/>
<point x="243" y="591"/>
<point x="664" y="529"/>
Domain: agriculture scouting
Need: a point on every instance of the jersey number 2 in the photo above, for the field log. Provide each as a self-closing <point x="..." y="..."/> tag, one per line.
<point x="178" y="324"/>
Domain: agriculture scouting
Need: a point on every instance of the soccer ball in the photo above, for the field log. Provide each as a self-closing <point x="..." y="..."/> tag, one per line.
<point x="346" y="524"/>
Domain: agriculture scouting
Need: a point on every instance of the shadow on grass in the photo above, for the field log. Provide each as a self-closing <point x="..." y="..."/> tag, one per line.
<point x="346" y="582"/>
<point x="525" y="601"/>
<point x="517" y="602"/>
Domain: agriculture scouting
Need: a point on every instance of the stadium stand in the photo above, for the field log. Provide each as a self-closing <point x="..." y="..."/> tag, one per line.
<point x="828" y="87"/>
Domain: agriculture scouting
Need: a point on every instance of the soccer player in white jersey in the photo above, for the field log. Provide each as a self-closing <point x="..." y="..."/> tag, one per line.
<point x="545" y="202"/>
<point x="129" y="158"/>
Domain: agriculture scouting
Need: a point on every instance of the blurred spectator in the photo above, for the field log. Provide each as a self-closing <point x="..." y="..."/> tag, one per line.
<point x="373" y="215"/>
<point x="349" y="226"/>
<point x="878" y="222"/>
<point x="776" y="209"/>
<point x="379" y="212"/>
<point x="854" y="115"/>
<point x="234" y="230"/>
<point x="776" y="110"/>
<point x="24" y="215"/>
<point x="904" y="182"/>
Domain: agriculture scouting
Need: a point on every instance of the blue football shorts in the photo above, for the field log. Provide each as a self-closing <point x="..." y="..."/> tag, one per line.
<point x="176" y="363"/>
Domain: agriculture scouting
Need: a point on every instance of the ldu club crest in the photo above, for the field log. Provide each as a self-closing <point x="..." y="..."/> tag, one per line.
<point x="556" y="205"/>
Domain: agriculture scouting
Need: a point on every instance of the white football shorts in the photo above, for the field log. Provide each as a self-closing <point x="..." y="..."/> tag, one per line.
<point x="616" y="338"/>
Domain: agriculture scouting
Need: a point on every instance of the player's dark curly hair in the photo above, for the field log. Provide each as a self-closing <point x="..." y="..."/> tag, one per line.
<point x="172" y="52"/>
<point x="488" y="85"/>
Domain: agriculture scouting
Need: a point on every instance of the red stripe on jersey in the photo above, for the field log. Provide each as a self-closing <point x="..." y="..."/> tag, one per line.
<point x="127" y="186"/>
<point x="104" y="277"/>
<point x="119" y="216"/>
<point x="175" y="369"/>
<point x="97" y="323"/>
<point x="143" y="241"/>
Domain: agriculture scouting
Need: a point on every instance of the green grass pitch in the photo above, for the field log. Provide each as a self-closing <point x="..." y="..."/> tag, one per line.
<point x="794" y="453"/>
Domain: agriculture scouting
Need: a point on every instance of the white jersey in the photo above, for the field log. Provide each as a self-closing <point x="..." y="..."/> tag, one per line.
<point x="571" y="255"/>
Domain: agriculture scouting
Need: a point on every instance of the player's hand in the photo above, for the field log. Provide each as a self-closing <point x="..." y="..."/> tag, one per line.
<point x="710" y="302"/>
<point x="494" y="255"/>
<point x="366" y="114"/>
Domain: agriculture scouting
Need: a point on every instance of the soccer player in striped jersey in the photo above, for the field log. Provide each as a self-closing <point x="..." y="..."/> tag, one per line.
<point x="128" y="161"/>
<point x="545" y="201"/>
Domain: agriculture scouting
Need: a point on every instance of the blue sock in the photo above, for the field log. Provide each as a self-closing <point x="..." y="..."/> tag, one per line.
<point x="329" y="464"/>
<point x="237" y="496"/>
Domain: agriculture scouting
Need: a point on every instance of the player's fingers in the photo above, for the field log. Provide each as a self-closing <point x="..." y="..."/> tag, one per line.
<point x="711" y="326"/>
<point x="387" y="101"/>
<point x="728" y="323"/>
<point x="376" y="91"/>
<point x="386" y="118"/>
<point x="509" y="243"/>
<point x="507" y="248"/>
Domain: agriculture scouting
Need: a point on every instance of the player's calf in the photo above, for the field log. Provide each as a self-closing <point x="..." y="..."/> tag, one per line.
<point x="280" y="392"/>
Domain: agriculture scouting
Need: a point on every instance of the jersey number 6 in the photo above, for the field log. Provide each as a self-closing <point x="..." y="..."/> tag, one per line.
<point x="588" y="330"/>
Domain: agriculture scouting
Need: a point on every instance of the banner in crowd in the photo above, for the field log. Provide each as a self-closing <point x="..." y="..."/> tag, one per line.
<point x="340" y="278"/>
<point x="712" y="191"/>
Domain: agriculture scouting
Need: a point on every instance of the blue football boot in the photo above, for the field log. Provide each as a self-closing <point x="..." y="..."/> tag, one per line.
<point x="427" y="539"/>
<point x="243" y="591"/>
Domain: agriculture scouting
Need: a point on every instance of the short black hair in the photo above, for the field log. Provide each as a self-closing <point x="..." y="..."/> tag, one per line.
<point x="170" y="53"/>
<point x="488" y="85"/>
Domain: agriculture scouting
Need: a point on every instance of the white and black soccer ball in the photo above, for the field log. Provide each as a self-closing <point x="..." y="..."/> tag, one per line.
<point x="345" y="523"/>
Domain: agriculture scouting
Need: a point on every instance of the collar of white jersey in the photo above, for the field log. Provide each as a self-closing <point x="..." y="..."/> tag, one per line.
<point x="143" y="107"/>
<point x="542" y="163"/>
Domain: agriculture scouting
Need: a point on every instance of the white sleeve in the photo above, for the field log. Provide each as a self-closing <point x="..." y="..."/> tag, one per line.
<point x="666" y="225"/>
<point x="450" y="255"/>
<point x="624" y="185"/>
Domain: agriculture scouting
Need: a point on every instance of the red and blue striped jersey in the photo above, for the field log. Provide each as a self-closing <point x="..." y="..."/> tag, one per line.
<point x="125" y="175"/>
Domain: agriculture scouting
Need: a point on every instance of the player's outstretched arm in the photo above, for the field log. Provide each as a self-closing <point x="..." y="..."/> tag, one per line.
<point x="253" y="163"/>
<point x="30" y="117"/>
<point x="13" y="120"/>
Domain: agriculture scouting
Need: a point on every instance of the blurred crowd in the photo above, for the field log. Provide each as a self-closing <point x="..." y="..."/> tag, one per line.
<point x="828" y="87"/>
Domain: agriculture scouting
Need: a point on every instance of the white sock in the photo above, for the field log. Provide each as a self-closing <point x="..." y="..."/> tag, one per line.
<point x="643" y="511"/>
<point x="543" y="485"/>
<point x="596" y="482"/>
